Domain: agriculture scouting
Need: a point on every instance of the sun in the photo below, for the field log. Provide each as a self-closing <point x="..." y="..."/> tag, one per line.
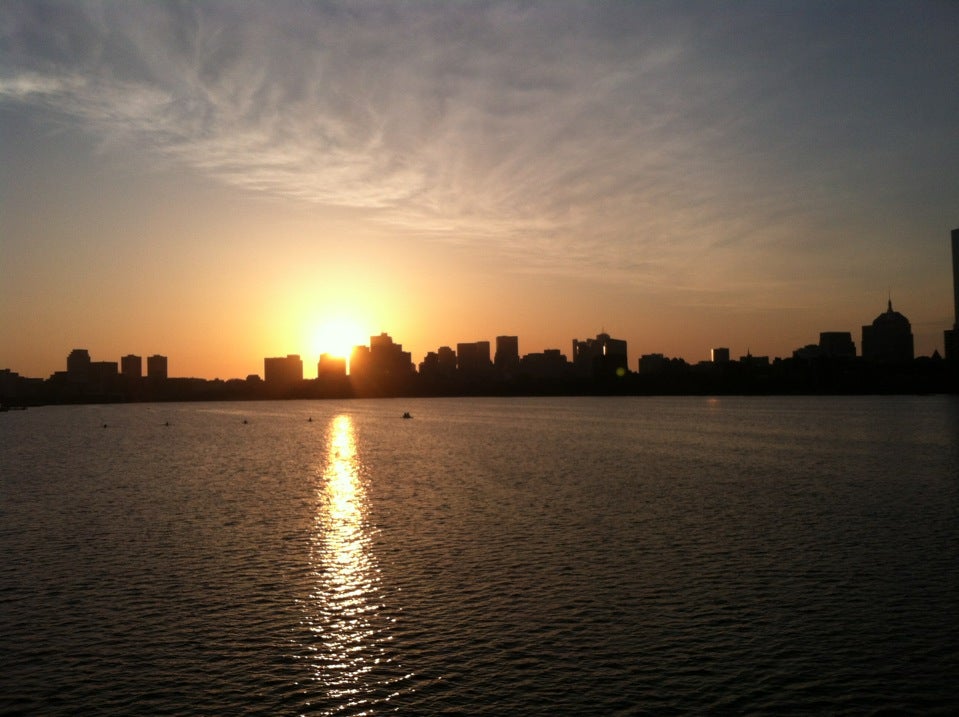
<point x="337" y="337"/>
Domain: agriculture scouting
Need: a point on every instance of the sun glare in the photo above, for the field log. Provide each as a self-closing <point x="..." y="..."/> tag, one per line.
<point x="337" y="337"/>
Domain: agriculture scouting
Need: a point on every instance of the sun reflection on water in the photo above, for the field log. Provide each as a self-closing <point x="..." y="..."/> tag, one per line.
<point x="348" y="636"/>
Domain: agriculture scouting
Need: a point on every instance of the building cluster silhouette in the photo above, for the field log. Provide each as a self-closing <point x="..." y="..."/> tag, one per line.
<point x="599" y="365"/>
<point x="85" y="380"/>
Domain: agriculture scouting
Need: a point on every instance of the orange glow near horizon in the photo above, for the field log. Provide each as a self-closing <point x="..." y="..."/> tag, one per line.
<point x="336" y="336"/>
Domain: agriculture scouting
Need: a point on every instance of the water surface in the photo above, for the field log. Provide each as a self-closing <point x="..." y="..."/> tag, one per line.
<point x="489" y="556"/>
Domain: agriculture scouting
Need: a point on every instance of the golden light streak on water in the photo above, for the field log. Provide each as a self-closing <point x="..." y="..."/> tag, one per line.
<point x="347" y="645"/>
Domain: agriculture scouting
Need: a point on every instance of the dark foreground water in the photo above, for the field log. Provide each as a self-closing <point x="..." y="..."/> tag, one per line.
<point x="503" y="557"/>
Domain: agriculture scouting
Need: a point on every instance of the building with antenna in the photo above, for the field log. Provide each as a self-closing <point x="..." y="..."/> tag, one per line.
<point x="888" y="339"/>
<point x="602" y="357"/>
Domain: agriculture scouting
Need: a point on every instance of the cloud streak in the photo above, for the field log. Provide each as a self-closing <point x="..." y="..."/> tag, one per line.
<point x="614" y="140"/>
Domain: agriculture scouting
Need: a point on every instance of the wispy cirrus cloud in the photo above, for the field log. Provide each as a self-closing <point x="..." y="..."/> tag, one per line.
<point x="572" y="137"/>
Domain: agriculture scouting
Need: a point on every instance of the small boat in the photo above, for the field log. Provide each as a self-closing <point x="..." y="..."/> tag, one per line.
<point x="407" y="415"/>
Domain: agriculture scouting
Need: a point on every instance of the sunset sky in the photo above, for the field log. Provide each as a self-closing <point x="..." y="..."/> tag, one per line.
<point x="218" y="181"/>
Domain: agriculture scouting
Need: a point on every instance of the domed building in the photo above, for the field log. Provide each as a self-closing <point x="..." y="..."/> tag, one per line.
<point x="888" y="339"/>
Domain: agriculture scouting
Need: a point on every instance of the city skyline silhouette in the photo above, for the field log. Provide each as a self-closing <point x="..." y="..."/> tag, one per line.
<point x="885" y="363"/>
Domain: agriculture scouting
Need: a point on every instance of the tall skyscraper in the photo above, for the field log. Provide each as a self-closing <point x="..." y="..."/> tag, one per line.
<point x="837" y="344"/>
<point x="383" y="360"/>
<point x="446" y="360"/>
<point x="888" y="339"/>
<point x="506" y="359"/>
<point x="131" y="366"/>
<point x="331" y="366"/>
<point x="78" y="366"/>
<point x="952" y="335"/>
<point x="439" y="364"/>
<point x="156" y="367"/>
<point x="601" y="357"/>
<point x="955" y="276"/>
<point x="283" y="370"/>
<point x="720" y="355"/>
<point x="473" y="358"/>
<point x="383" y="368"/>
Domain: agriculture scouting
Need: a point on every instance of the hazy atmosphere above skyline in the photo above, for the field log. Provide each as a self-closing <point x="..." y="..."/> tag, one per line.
<point x="218" y="182"/>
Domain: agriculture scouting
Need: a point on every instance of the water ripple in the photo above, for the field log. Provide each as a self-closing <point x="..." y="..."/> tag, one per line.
<point x="560" y="556"/>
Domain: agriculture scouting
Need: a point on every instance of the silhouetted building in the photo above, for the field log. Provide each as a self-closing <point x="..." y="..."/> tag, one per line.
<point x="652" y="363"/>
<point x="78" y="366"/>
<point x="102" y="373"/>
<point x="832" y="345"/>
<point x="430" y="365"/>
<point x="156" y="367"/>
<point x="283" y="371"/>
<point x="837" y="344"/>
<point x="472" y="359"/>
<point x="506" y="359"/>
<point x="20" y="390"/>
<point x="601" y="357"/>
<point x="439" y="364"/>
<point x="550" y="365"/>
<point x="446" y="359"/>
<point x="720" y="355"/>
<point x="131" y="367"/>
<point x="331" y="366"/>
<point x="87" y="379"/>
<point x="888" y="339"/>
<point x="9" y="384"/>
<point x="809" y="352"/>
<point x="384" y="363"/>
<point x="952" y="335"/>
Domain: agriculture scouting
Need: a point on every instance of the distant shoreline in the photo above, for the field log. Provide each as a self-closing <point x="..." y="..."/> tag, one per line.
<point x="786" y="377"/>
